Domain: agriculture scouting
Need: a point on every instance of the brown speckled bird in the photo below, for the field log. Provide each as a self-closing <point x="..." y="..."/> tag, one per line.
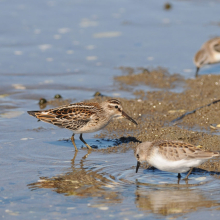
<point x="208" y="54"/>
<point x="83" y="117"/>
<point x="172" y="156"/>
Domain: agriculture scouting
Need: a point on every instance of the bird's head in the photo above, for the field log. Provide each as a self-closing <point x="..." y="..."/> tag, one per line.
<point x="200" y="59"/>
<point x="114" y="108"/>
<point x="141" y="153"/>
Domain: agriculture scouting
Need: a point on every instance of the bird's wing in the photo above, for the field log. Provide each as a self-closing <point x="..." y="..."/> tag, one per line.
<point x="174" y="150"/>
<point x="73" y="116"/>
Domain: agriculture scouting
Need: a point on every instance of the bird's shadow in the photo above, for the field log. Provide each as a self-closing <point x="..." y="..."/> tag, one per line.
<point x="103" y="143"/>
<point x="125" y="140"/>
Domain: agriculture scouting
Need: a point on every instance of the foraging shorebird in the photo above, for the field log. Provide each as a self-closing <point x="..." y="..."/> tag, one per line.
<point x="172" y="156"/>
<point x="208" y="54"/>
<point x="83" y="117"/>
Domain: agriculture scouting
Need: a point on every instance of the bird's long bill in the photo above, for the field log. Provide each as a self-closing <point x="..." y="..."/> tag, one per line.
<point x="128" y="117"/>
<point x="138" y="165"/>
<point x="197" y="71"/>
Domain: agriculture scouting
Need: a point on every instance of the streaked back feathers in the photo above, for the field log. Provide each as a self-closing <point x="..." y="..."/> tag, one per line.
<point x="172" y="151"/>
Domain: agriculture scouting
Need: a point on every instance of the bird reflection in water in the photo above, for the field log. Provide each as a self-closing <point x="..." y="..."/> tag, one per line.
<point x="171" y="201"/>
<point x="81" y="181"/>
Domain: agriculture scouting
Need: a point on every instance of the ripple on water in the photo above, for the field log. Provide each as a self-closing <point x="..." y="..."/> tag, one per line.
<point x="109" y="178"/>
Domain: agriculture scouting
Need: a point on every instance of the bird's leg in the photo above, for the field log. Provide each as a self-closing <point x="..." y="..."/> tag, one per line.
<point x="179" y="178"/>
<point x="186" y="181"/>
<point x="81" y="138"/>
<point x="186" y="178"/>
<point x="73" y="141"/>
<point x="197" y="71"/>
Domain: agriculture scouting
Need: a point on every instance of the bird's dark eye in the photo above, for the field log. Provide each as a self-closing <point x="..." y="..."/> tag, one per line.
<point x="138" y="156"/>
<point x="116" y="106"/>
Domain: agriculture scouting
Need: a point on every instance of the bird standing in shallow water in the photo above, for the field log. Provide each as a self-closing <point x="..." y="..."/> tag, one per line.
<point x="83" y="117"/>
<point x="208" y="54"/>
<point x="172" y="156"/>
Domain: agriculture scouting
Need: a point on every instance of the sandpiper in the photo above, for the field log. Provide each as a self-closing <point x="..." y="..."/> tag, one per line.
<point x="172" y="156"/>
<point x="83" y="117"/>
<point x="208" y="54"/>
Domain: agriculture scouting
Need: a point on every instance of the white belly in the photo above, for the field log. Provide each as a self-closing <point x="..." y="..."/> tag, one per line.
<point x="92" y="127"/>
<point x="180" y="166"/>
<point x="216" y="57"/>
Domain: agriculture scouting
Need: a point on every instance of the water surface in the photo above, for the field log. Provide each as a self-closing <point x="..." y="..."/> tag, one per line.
<point x="74" y="48"/>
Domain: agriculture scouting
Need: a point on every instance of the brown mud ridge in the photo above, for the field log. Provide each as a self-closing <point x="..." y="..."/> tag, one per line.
<point x="154" y="111"/>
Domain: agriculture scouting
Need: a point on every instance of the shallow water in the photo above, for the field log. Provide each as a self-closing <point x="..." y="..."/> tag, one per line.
<point x="74" y="48"/>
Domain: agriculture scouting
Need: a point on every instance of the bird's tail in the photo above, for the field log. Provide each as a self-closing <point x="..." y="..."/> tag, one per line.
<point x="33" y="113"/>
<point x="216" y="153"/>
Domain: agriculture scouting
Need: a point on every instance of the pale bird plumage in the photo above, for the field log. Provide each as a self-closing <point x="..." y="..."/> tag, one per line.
<point x="83" y="117"/>
<point x="208" y="54"/>
<point x="172" y="156"/>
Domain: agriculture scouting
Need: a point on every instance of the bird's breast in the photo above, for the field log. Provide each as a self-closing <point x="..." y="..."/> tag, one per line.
<point x="217" y="57"/>
<point x="94" y="125"/>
